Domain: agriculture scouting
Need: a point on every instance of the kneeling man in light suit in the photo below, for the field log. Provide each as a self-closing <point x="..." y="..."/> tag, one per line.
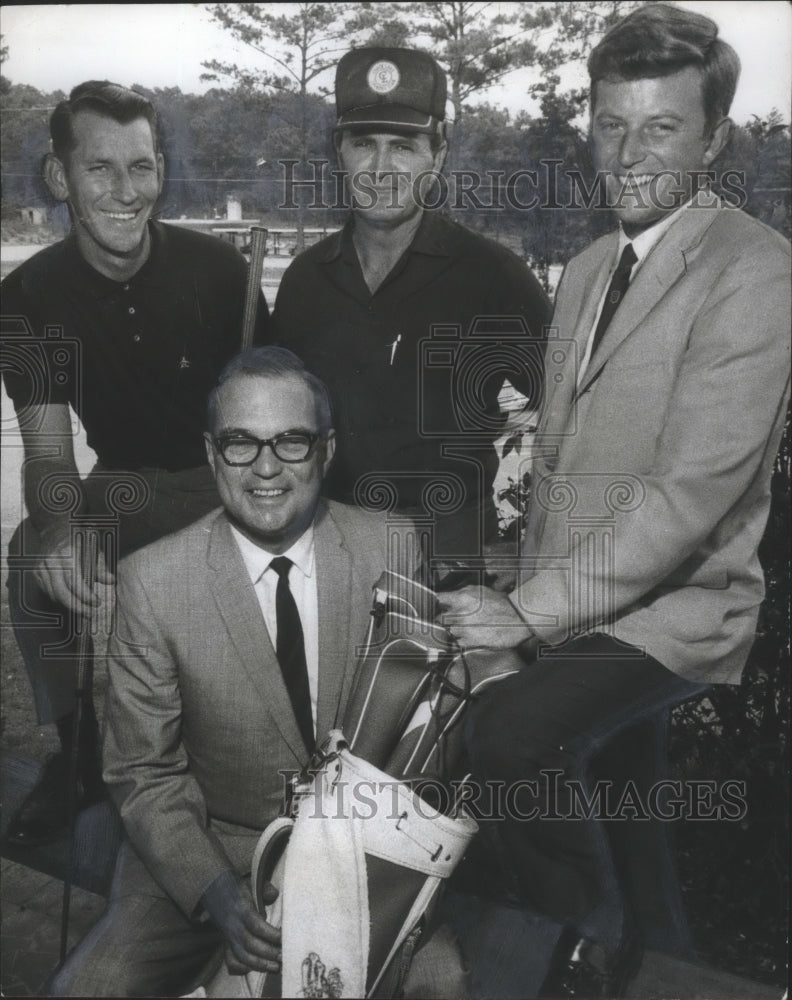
<point x="233" y="654"/>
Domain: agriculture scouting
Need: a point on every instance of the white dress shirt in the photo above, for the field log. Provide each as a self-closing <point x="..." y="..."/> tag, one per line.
<point x="302" y="583"/>
<point x="641" y="244"/>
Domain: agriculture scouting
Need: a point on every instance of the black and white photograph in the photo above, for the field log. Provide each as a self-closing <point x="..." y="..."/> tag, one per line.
<point x="387" y="608"/>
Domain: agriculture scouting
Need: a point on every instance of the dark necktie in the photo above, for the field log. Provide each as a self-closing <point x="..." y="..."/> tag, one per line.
<point x="618" y="286"/>
<point x="290" y="650"/>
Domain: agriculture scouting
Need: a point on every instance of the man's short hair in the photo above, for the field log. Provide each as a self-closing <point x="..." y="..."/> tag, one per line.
<point x="273" y="362"/>
<point x="658" y="40"/>
<point x="105" y="98"/>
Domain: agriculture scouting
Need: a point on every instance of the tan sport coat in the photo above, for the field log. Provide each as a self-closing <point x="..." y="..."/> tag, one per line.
<point x="651" y="485"/>
<point x="198" y="719"/>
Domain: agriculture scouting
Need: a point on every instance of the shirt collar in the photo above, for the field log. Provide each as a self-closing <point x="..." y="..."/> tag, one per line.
<point x="99" y="286"/>
<point x="257" y="559"/>
<point x="430" y="238"/>
<point x="649" y="238"/>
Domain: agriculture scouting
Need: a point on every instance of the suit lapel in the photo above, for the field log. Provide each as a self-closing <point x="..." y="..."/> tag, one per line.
<point x="334" y="583"/>
<point x="663" y="267"/>
<point x="578" y="324"/>
<point x="239" y="608"/>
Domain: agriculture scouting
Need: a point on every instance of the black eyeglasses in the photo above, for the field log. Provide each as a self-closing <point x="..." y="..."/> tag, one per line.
<point x="291" y="446"/>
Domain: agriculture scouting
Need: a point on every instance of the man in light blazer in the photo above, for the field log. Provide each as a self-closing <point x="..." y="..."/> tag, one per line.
<point x="666" y="402"/>
<point x="202" y="726"/>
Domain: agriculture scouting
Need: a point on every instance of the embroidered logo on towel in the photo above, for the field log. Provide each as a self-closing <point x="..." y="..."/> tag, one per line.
<point x="317" y="985"/>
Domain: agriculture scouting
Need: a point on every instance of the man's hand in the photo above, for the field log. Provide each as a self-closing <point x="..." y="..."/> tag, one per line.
<point x="502" y="560"/>
<point x="252" y="942"/>
<point x="71" y="574"/>
<point x="499" y="570"/>
<point x="54" y="493"/>
<point x="480" y="616"/>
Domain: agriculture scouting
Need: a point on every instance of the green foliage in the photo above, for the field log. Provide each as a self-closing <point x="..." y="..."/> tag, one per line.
<point x="24" y="139"/>
<point x="736" y="875"/>
<point x="762" y="150"/>
<point x="296" y="48"/>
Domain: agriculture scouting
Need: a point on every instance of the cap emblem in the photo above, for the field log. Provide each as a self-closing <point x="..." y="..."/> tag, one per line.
<point x="383" y="77"/>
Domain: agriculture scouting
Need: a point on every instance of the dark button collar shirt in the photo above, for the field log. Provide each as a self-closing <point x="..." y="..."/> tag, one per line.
<point x="135" y="359"/>
<point x="414" y="369"/>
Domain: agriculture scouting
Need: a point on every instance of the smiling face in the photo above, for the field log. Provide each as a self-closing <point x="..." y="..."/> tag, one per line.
<point x="112" y="180"/>
<point x="648" y="136"/>
<point x="383" y="172"/>
<point x="270" y="501"/>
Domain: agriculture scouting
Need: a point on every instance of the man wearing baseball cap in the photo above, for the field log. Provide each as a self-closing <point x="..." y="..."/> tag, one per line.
<point x="399" y="87"/>
<point x="412" y="320"/>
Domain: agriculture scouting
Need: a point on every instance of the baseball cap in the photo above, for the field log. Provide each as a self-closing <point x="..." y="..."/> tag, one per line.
<point x="391" y="88"/>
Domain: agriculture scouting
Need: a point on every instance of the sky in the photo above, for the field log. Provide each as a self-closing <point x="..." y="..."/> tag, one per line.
<point x="56" y="46"/>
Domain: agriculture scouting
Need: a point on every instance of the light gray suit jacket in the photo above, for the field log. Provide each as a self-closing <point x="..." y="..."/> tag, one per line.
<point x="198" y="719"/>
<point x="651" y="485"/>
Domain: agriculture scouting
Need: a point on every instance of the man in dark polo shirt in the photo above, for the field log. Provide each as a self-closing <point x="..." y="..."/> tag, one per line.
<point x="128" y="321"/>
<point x="412" y="320"/>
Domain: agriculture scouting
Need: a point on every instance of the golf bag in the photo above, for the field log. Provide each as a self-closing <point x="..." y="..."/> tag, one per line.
<point x="361" y="857"/>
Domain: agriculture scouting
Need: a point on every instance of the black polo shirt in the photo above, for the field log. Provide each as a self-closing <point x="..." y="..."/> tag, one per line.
<point x="414" y="370"/>
<point x="135" y="359"/>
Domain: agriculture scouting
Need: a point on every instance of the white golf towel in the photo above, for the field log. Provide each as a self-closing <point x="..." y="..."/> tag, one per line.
<point x="326" y="918"/>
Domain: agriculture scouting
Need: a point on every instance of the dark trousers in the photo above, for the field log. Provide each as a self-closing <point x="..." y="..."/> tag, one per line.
<point x="531" y="740"/>
<point x="129" y="510"/>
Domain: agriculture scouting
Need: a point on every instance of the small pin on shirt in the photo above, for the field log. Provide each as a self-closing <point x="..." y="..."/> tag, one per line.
<point x="184" y="363"/>
<point x="393" y="347"/>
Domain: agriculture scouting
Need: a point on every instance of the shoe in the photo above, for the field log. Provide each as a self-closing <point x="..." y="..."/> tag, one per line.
<point x="44" y="815"/>
<point x="583" y="968"/>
